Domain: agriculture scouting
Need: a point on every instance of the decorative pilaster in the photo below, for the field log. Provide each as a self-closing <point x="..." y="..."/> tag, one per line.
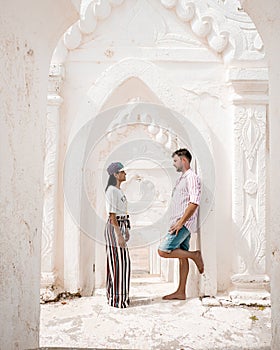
<point x="48" y="274"/>
<point x="250" y="280"/>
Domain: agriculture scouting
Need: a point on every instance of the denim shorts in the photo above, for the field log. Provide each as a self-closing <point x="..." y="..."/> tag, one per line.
<point x="172" y="241"/>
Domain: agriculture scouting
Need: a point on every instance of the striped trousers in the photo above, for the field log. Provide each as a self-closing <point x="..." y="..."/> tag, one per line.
<point x="118" y="269"/>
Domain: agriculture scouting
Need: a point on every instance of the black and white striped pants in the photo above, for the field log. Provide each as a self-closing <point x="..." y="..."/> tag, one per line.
<point x="118" y="269"/>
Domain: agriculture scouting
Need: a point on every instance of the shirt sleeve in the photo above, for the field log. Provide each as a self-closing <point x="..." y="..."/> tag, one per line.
<point x="111" y="200"/>
<point x="194" y="188"/>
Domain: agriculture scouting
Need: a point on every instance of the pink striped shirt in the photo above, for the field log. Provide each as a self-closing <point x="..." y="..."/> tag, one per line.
<point x="187" y="190"/>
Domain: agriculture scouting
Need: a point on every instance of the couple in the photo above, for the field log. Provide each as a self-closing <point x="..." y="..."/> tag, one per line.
<point x="185" y="201"/>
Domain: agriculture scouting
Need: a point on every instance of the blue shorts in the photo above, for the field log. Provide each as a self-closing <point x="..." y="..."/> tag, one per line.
<point x="171" y="242"/>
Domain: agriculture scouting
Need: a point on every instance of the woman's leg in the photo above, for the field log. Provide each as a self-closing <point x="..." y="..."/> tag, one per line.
<point x="118" y="272"/>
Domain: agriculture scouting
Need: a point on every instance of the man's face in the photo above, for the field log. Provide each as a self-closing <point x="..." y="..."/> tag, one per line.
<point x="177" y="162"/>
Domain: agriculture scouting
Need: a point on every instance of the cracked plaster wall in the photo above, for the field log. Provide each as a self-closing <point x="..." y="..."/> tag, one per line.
<point x="20" y="197"/>
<point x="266" y="17"/>
<point x="27" y="39"/>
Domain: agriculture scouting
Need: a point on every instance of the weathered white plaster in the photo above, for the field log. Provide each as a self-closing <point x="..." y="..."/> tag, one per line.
<point x="23" y="89"/>
<point x="266" y="18"/>
<point x="200" y="92"/>
<point x="27" y="40"/>
<point x="250" y="281"/>
<point x="225" y="29"/>
<point x="50" y="212"/>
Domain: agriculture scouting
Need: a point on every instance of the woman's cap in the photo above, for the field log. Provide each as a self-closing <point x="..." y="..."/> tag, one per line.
<point x="114" y="168"/>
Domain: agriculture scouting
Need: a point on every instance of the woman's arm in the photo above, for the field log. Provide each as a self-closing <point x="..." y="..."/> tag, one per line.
<point x="114" y="222"/>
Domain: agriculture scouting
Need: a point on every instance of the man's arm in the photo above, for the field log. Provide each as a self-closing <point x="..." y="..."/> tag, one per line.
<point x="191" y="208"/>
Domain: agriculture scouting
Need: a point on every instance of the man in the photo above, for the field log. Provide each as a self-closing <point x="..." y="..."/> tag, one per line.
<point x="185" y="201"/>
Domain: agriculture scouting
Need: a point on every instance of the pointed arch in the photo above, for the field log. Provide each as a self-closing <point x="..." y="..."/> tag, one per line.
<point x="147" y="72"/>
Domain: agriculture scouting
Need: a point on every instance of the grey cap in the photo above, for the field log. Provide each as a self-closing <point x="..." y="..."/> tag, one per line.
<point x="114" y="168"/>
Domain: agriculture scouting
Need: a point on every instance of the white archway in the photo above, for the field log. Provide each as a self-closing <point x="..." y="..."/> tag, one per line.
<point x="118" y="74"/>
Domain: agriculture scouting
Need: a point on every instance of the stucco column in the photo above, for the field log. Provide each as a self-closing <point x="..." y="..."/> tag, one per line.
<point x="266" y="17"/>
<point x="48" y="274"/>
<point x="250" y="279"/>
<point x="29" y="31"/>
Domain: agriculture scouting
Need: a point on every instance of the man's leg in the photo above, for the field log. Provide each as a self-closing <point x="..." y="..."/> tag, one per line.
<point x="181" y="291"/>
<point x="184" y="254"/>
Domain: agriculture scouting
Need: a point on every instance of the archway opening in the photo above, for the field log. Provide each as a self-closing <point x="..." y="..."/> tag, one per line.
<point x="191" y="100"/>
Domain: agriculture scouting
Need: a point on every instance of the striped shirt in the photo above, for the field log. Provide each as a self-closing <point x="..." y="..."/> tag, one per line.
<point x="187" y="190"/>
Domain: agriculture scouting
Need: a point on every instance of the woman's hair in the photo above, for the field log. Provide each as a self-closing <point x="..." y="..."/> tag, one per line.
<point x="112" y="181"/>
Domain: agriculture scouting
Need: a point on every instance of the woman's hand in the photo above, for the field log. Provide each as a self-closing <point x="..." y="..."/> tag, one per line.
<point x="121" y="241"/>
<point x="119" y="236"/>
<point x="127" y="235"/>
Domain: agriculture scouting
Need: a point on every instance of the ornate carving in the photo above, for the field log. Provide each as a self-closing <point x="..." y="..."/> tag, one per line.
<point x="49" y="209"/>
<point x="204" y="22"/>
<point x="250" y="187"/>
<point x="202" y="27"/>
<point x="218" y="42"/>
<point x="102" y="9"/>
<point x="48" y="225"/>
<point x="169" y="4"/>
<point x="251" y="246"/>
<point x="185" y="10"/>
<point x="73" y="37"/>
<point x="88" y="21"/>
<point x="250" y="131"/>
<point x="250" y="280"/>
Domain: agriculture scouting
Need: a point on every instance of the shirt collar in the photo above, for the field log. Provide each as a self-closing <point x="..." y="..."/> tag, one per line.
<point x="186" y="173"/>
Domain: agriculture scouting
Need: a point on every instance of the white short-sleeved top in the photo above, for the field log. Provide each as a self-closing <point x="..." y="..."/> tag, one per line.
<point x="187" y="190"/>
<point x="116" y="201"/>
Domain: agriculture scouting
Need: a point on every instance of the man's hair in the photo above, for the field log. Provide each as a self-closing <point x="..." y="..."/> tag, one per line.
<point x="183" y="152"/>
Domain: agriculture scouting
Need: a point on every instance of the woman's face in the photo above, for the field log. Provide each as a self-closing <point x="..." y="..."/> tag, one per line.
<point x="121" y="176"/>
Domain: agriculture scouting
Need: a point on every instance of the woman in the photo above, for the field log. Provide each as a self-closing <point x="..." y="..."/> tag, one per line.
<point x="116" y="235"/>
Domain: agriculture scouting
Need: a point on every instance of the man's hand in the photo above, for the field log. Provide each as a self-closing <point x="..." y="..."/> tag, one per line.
<point x="191" y="208"/>
<point x="174" y="229"/>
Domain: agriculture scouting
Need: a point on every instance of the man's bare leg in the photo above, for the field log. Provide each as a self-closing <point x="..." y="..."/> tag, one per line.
<point x="184" y="254"/>
<point x="181" y="291"/>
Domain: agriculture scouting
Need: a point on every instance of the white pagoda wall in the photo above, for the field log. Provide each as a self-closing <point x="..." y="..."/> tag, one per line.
<point x="266" y="18"/>
<point x="20" y="288"/>
<point x="27" y="40"/>
<point x="194" y="74"/>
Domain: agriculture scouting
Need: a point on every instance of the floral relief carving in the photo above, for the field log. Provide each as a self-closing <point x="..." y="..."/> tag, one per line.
<point x="204" y="23"/>
<point x="252" y="246"/>
<point x="47" y="231"/>
<point x="251" y="187"/>
<point x="49" y="210"/>
<point x="250" y="130"/>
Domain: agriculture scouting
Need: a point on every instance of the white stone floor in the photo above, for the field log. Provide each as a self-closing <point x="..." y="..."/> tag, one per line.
<point x="151" y="323"/>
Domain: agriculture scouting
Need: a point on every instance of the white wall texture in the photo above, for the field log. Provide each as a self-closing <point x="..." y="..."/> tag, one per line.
<point x="27" y="39"/>
<point x="197" y="90"/>
<point x="189" y="68"/>
<point x="266" y="18"/>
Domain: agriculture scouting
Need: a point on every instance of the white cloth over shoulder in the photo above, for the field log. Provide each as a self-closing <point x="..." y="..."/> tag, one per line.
<point x="116" y="201"/>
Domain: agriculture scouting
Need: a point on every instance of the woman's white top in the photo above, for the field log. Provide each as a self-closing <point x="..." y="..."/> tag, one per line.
<point x="115" y="201"/>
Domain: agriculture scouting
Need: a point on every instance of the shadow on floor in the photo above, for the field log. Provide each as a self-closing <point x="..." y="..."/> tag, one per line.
<point x="140" y="301"/>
